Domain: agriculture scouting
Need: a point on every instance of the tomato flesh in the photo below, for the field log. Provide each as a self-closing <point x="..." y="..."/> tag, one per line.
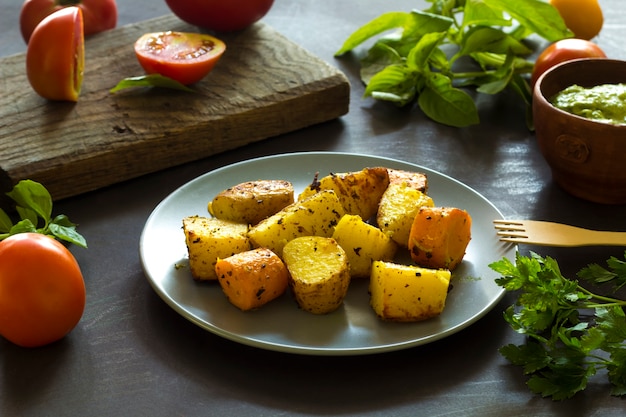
<point x="220" y="15"/>
<point x="42" y="291"/>
<point x="184" y="57"/>
<point x="55" y="57"/>
<point x="564" y="50"/>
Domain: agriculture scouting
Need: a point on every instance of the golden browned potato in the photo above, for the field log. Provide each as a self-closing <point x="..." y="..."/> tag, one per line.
<point x="363" y="244"/>
<point x="359" y="191"/>
<point x="416" y="180"/>
<point x="252" y="278"/>
<point x="316" y="215"/>
<point x="207" y="239"/>
<point x="397" y="209"/>
<point x="319" y="273"/>
<point x="252" y="201"/>
<point x="407" y="293"/>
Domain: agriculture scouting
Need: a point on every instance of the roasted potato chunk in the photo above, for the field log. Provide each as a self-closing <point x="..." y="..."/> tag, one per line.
<point x="407" y="293"/>
<point x="363" y="244"/>
<point x="416" y="180"/>
<point x="319" y="273"/>
<point x="316" y="215"/>
<point x="252" y="201"/>
<point x="252" y="278"/>
<point x="207" y="239"/>
<point x="439" y="237"/>
<point x="359" y="192"/>
<point x="397" y="209"/>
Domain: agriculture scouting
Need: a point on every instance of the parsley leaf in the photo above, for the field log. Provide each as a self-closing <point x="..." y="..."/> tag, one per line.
<point x="572" y="333"/>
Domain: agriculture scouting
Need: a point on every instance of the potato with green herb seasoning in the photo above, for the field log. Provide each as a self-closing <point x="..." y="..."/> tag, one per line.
<point x="316" y="215"/>
<point x="319" y="274"/>
<point x="208" y="239"/>
<point x="363" y="244"/>
<point x="359" y="191"/>
<point x="407" y="293"/>
<point x="252" y="201"/>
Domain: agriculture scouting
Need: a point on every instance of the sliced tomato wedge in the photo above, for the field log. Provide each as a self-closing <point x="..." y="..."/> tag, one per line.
<point x="55" y="57"/>
<point x="184" y="57"/>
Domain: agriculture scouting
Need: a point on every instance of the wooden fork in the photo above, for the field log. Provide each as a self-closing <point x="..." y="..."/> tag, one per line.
<point x="541" y="233"/>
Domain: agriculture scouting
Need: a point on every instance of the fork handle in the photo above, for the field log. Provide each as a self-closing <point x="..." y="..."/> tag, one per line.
<point x="602" y="238"/>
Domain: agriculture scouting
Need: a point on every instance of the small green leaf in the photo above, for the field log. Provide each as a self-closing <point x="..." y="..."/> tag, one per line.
<point x="5" y="222"/>
<point x="68" y="234"/>
<point x="23" y="226"/>
<point x="445" y="104"/>
<point x="32" y="195"/>
<point x="383" y="23"/>
<point x="536" y="15"/>
<point x="151" y="80"/>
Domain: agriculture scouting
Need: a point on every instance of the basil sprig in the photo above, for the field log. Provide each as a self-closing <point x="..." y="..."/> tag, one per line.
<point x="431" y="55"/>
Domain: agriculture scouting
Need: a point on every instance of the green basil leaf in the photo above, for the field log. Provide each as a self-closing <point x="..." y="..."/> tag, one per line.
<point x="537" y="15"/>
<point x="445" y="104"/>
<point x="422" y="23"/>
<point x="23" y="226"/>
<point x="478" y="13"/>
<point x="487" y="39"/>
<point x="151" y="80"/>
<point x="419" y="56"/>
<point x="32" y="195"/>
<point x="377" y="59"/>
<point x="383" y="23"/>
<point x="5" y="222"/>
<point x="68" y="234"/>
<point x="396" y="83"/>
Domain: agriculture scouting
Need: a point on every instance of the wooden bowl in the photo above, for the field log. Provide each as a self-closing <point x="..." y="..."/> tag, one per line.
<point x="587" y="158"/>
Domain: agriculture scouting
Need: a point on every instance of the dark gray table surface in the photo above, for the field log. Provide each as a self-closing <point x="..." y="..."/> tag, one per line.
<point x="132" y="355"/>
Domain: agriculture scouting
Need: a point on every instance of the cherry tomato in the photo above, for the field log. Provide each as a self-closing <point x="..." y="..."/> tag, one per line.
<point x="42" y="291"/>
<point x="184" y="57"/>
<point x="55" y="57"/>
<point x="220" y="15"/>
<point x="99" y="15"/>
<point x="564" y="50"/>
<point x="583" y="17"/>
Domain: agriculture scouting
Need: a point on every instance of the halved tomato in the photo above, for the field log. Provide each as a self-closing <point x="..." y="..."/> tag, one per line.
<point x="55" y="57"/>
<point x="184" y="57"/>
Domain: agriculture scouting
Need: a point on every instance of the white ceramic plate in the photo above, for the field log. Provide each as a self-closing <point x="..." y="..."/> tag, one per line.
<point x="353" y="329"/>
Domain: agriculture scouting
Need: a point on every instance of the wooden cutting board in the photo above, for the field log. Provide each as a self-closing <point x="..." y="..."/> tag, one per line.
<point x="263" y="86"/>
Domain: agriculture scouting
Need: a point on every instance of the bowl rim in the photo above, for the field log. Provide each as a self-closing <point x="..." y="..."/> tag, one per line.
<point x="538" y="91"/>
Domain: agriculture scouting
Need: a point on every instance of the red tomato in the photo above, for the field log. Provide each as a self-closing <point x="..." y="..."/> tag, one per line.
<point x="99" y="15"/>
<point x="564" y="50"/>
<point x="220" y="15"/>
<point x="42" y="291"/>
<point x="55" y="57"/>
<point x="184" y="57"/>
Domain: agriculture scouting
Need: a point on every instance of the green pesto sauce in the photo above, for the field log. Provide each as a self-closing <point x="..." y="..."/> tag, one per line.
<point x="602" y="103"/>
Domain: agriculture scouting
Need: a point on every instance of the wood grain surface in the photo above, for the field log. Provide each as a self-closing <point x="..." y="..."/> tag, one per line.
<point x="263" y="86"/>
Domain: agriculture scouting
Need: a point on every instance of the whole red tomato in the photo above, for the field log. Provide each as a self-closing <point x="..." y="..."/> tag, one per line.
<point x="55" y="56"/>
<point x="564" y="50"/>
<point x="99" y="15"/>
<point x="220" y="15"/>
<point x="42" y="291"/>
<point x="184" y="57"/>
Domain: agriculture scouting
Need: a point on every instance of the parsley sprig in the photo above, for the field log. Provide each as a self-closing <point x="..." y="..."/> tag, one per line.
<point x="425" y="54"/>
<point x="33" y="204"/>
<point x="572" y="333"/>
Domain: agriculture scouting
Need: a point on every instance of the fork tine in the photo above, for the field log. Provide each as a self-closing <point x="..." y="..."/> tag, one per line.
<point x="509" y="225"/>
